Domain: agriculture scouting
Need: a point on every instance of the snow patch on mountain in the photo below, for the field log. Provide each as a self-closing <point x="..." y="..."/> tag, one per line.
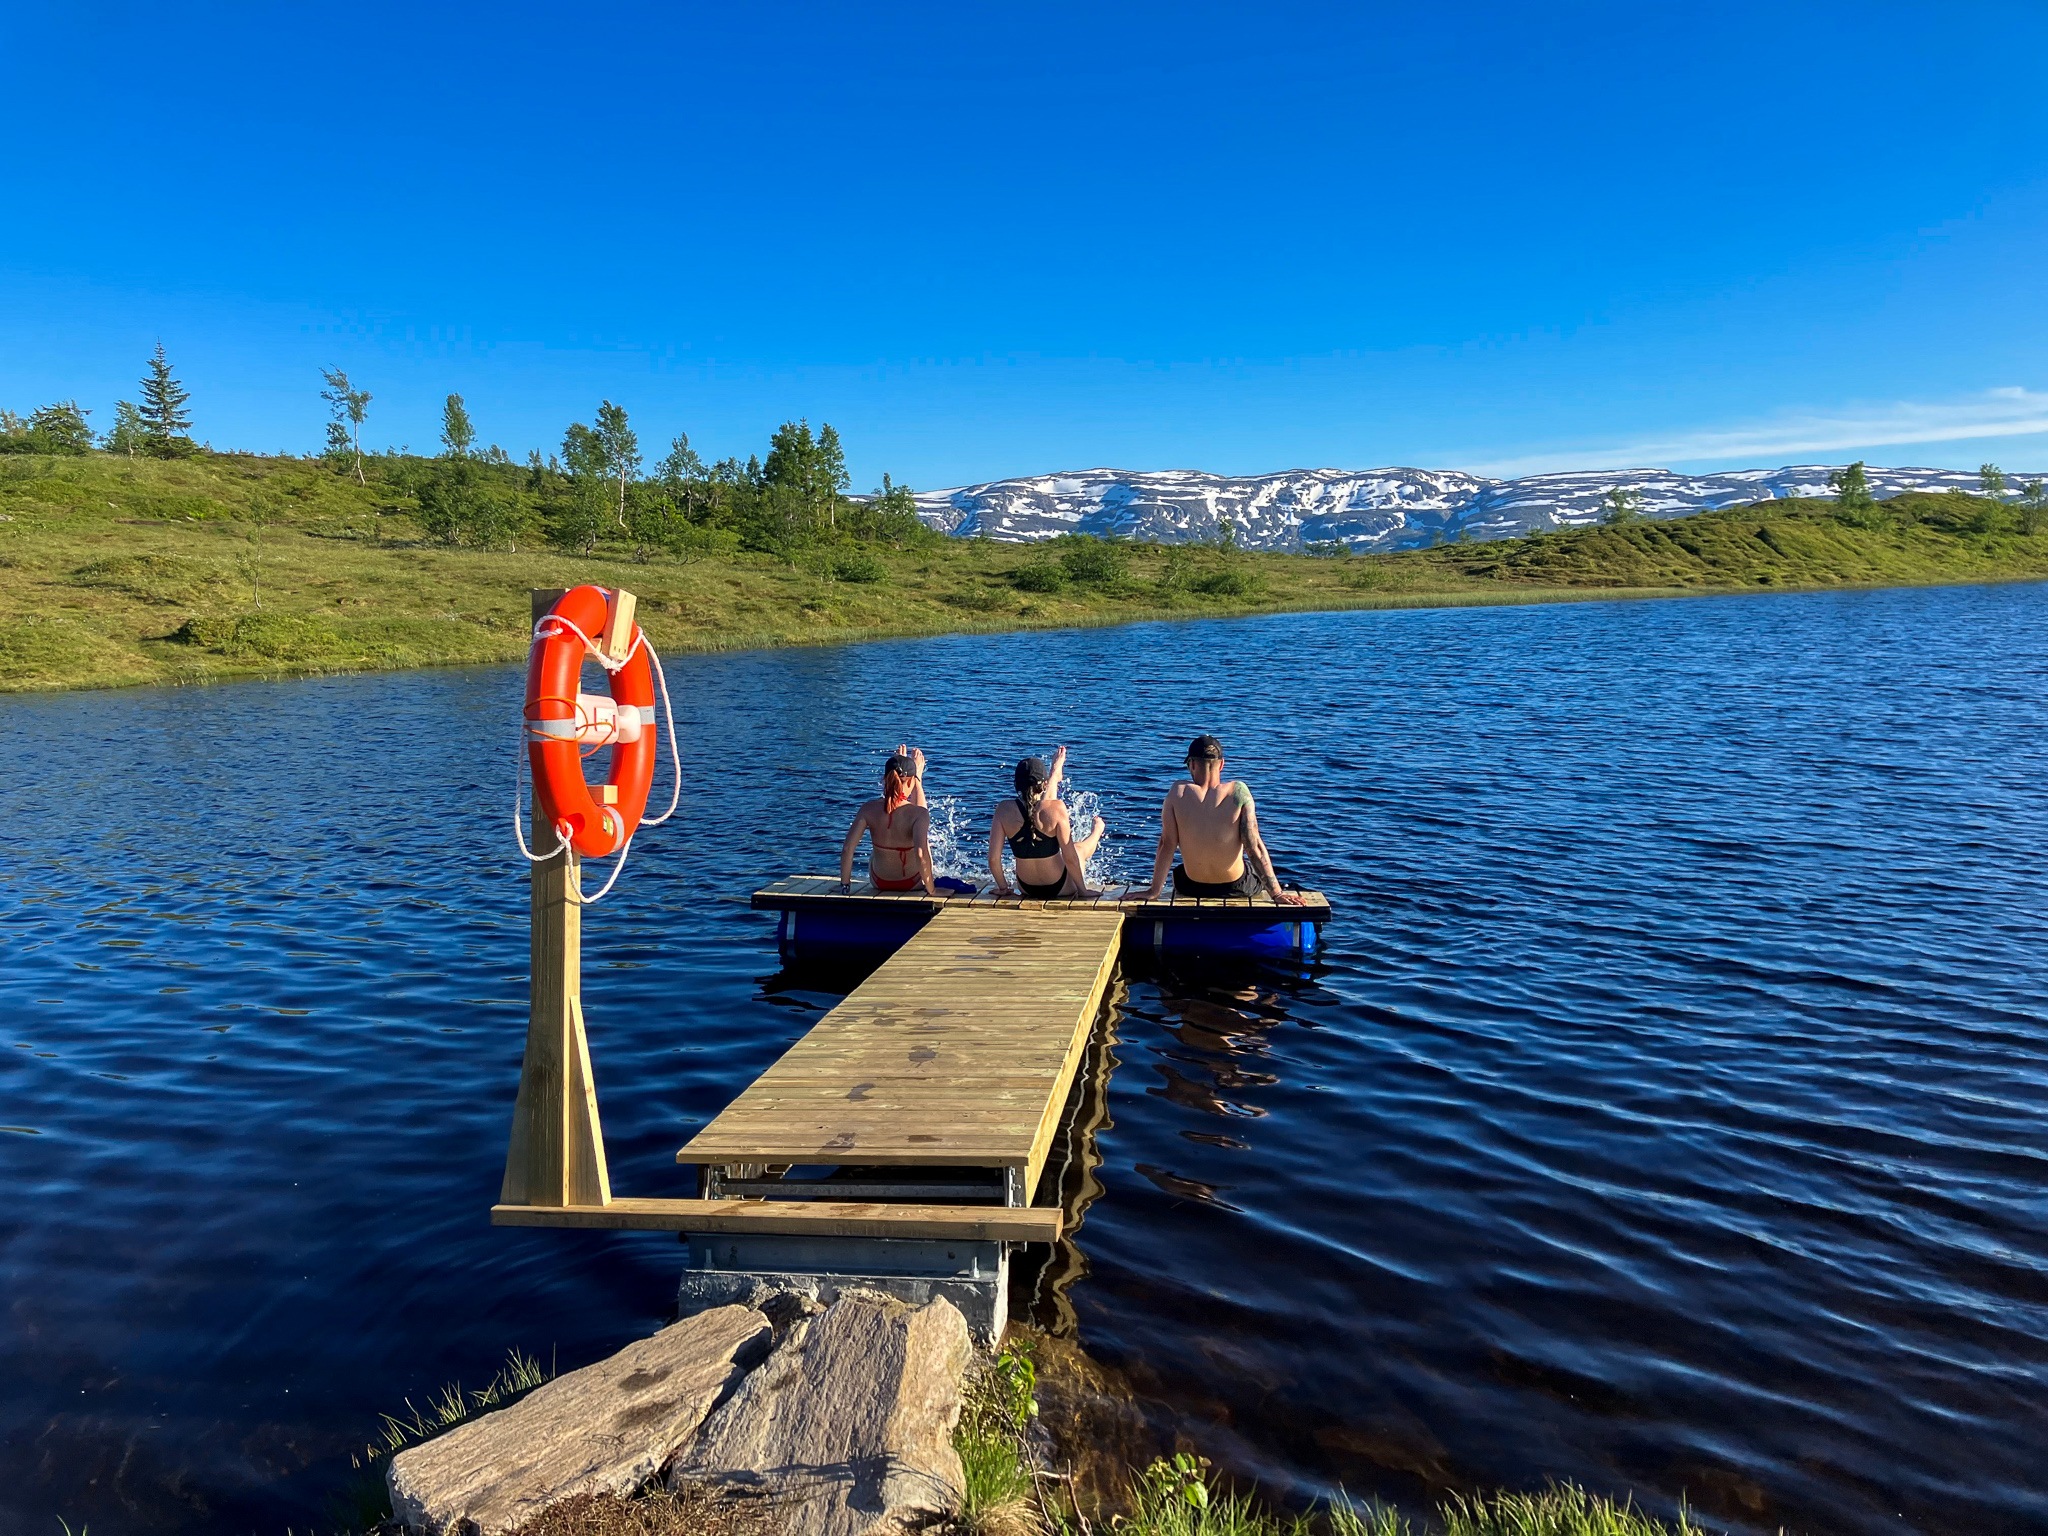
<point x="1374" y="509"/>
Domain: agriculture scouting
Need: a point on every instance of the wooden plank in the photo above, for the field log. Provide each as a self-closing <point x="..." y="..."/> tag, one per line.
<point x="1055" y="1104"/>
<point x="586" y="1179"/>
<point x="812" y="1218"/>
<point x="617" y="639"/>
<point x="958" y="1051"/>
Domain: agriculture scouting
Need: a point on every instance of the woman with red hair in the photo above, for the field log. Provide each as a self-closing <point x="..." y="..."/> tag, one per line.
<point x="900" y="827"/>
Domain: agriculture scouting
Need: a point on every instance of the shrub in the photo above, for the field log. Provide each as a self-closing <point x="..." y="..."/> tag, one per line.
<point x="1231" y="581"/>
<point x="1093" y="562"/>
<point x="1038" y="576"/>
<point x="860" y="566"/>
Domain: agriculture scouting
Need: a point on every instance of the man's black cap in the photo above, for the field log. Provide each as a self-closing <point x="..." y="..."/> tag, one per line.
<point x="1204" y="746"/>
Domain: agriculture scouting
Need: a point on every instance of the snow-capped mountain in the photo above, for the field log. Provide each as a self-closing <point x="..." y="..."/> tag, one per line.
<point x="1374" y="509"/>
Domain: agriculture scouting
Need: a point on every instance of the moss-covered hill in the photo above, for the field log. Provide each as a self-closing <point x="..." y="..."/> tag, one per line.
<point x="116" y="571"/>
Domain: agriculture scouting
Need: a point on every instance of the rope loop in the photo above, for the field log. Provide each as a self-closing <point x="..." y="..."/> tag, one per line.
<point x="541" y="631"/>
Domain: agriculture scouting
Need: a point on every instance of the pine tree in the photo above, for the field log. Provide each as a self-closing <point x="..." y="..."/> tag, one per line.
<point x="832" y="479"/>
<point x="351" y="407"/>
<point x="128" y="432"/>
<point x="61" y="428"/>
<point x="165" y="421"/>
<point x="1623" y="506"/>
<point x="1991" y="480"/>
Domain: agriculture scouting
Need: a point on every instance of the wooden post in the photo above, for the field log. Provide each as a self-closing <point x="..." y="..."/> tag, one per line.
<point x="556" y="1155"/>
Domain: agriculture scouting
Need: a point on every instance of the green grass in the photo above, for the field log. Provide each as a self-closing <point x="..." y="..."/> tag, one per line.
<point x="1177" y="1497"/>
<point x="117" y="572"/>
<point x="1000" y="1489"/>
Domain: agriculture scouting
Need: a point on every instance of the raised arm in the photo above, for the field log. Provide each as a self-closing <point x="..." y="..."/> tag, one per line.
<point x="924" y="852"/>
<point x="916" y="756"/>
<point x="995" y="852"/>
<point x="1169" y="840"/>
<point x="1255" y="852"/>
<point x="846" y="850"/>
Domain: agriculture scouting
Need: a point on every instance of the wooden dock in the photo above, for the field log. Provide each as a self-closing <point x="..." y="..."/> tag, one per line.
<point x="957" y="1053"/>
<point x="954" y="1058"/>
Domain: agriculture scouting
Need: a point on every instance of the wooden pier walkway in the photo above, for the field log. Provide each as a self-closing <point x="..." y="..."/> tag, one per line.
<point x="957" y="1054"/>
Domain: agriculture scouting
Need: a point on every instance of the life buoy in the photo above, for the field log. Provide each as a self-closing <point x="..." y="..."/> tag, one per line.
<point x="563" y="722"/>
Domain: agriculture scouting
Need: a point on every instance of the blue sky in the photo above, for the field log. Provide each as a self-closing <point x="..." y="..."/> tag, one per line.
<point x="992" y="241"/>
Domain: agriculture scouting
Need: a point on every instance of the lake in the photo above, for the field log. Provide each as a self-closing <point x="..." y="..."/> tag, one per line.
<point x="1665" y="1111"/>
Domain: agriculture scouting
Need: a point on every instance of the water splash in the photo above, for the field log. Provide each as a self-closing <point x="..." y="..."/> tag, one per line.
<point x="959" y="837"/>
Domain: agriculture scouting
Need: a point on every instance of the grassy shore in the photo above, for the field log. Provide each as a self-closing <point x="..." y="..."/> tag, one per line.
<point x="1073" y="1471"/>
<point x="116" y="571"/>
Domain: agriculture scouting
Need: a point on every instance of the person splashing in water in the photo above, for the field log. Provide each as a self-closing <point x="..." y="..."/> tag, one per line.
<point x="900" y="827"/>
<point x="1041" y="835"/>
<point x="1210" y="820"/>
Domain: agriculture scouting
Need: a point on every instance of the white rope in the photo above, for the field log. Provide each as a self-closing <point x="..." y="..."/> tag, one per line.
<point x="541" y="632"/>
<point x="675" y="756"/>
<point x="618" y="869"/>
<point x="519" y="815"/>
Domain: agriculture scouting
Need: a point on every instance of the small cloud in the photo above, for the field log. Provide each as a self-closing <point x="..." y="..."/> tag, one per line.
<point x="2009" y="411"/>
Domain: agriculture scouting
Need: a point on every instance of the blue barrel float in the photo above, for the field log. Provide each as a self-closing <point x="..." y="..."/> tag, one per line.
<point x="817" y="919"/>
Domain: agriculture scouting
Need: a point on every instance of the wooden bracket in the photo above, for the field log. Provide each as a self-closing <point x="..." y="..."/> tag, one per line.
<point x="617" y="640"/>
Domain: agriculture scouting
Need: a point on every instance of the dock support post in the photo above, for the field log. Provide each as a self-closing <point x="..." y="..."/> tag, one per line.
<point x="556" y="1155"/>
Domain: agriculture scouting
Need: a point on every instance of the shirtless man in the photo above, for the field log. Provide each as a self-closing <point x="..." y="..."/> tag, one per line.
<point x="899" y="824"/>
<point x="1210" y="820"/>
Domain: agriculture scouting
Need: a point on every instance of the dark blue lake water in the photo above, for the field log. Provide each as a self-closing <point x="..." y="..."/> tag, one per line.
<point x="1667" y="1112"/>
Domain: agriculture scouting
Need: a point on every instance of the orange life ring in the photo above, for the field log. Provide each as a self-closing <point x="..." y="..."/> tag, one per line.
<point x="562" y="722"/>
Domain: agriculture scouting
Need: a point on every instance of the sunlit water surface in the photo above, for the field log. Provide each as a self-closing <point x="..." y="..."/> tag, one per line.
<point x="1666" y="1112"/>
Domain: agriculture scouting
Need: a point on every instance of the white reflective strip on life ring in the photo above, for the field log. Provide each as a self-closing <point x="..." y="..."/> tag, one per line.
<point x="598" y="723"/>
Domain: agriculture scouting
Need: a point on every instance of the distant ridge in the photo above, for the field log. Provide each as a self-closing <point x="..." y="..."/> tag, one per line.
<point x="1372" y="509"/>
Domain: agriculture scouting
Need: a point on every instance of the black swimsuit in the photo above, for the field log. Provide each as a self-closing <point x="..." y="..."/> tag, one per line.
<point x="1027" y="842"/>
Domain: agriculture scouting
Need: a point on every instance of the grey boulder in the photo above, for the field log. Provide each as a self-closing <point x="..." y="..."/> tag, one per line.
<point x="608" y="1428"/>
<point x="848" y="1426"/>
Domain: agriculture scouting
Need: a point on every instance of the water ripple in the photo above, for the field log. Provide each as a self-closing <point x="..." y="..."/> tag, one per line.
<point x="1664" y="1113"/>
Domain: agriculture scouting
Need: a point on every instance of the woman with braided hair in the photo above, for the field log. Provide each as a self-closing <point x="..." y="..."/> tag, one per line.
<point x="1041" y="835"/>
<point x="900" y="828"/>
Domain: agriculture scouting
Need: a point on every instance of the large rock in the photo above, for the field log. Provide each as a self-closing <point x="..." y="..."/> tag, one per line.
<point x="608" y="1428"/>
<point x="848" y="1426"/>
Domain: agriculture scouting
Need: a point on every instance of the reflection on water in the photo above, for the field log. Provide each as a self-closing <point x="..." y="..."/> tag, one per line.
<point x="1663" y="1112"/>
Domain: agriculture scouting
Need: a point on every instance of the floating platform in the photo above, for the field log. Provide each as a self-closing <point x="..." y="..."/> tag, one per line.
<point x="817" y="917"/>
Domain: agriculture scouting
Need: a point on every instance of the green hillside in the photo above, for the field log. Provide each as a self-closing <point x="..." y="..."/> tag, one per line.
<point x="116" y="570"/>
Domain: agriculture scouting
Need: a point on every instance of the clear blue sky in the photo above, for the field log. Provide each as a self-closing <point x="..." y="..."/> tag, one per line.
<point x="986" y="242"/>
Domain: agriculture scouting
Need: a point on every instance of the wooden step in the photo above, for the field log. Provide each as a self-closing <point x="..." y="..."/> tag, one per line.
<point x="810" y="1218"/>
